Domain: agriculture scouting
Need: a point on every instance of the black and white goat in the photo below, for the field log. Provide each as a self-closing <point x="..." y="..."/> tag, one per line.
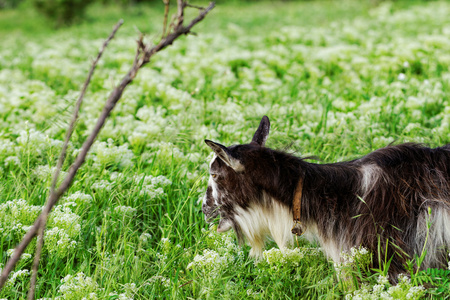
<point x="384" y="200"/>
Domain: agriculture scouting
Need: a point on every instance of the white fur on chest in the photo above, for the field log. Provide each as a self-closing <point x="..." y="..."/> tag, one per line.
<point x="275" y="220"/>
<point x="258" y="221"/>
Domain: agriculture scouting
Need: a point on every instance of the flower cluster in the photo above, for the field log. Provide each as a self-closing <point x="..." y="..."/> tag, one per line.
<point x="145" y="237"/>
<point x="80" y="198"/>
<point x="360" y="254"/>
<point x="221" y="256"/>
<point x="106" y="154"/>
<point x="58" y="242"/>
<point x="101" y="185"/>
<point x="16" y="217"/>
<point x="23" y="257"/>
<point x="210" y="263"/>
<point x="151" y="186"/>
<point x="165" y="282"/>
<point x="36" y="140"/>
<point x="78" y="286"/>
<point x="17" y="277"/>
<point x="166" y="245"/>
<point x="63" y="218"/>
<point x="129" y="290"/>
<point x="18" y="211"/>
<point x="384" y="291"/>
<point x="283" y="257"/>
<point x="45" y="173"/>
<point x="125" y="211"/>
<point x="223" y="243"/>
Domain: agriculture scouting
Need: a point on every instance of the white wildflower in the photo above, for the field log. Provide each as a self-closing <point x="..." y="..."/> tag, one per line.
<point x="283" y="257"/>
<point x="23" y="257"/>
<point x="401" y="77"/>
<point x="125" y="211"/>
<point x="58" y="242"/>
<point x="80" y="198"/>
<point x="101" y="185"/>
<point x="383" y="280"/>
<point x="210" y="263"/>
<point x="165" y="282"/>
<point x="12" y="161"/>
<point x="16" y="276"/>
<point x="46" y="172"/>
<point x="63" y="217"/>
<point x="144" y="237"/>
<point x="415" y="292"/>
<point x="78" y="287"/>
<point x="166" y="245"/>
<point x="18" y="211"/>
<point x="107" y="154"/>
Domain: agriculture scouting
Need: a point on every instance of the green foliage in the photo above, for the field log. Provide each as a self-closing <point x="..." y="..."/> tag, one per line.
<point x="62" y="12"/>
<point x="9" y="3"/>
<point x="361" y="282"/>
<point x="437" y="281"/>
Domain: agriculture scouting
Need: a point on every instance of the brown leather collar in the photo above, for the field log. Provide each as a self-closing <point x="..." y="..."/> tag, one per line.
<point x="297" y="208"/>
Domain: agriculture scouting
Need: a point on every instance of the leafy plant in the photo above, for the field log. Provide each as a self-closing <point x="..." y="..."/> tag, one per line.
<point x="437" y="282"/>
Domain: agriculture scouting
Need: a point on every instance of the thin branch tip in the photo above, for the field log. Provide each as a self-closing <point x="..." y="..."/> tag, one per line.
<point x="187" y="4"/>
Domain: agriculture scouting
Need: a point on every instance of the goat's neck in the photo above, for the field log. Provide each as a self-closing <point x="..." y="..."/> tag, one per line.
<point x="328" y="189"/>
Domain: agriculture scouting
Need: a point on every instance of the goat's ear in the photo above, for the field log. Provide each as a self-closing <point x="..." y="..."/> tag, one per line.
<point x="225" y="155"/>
<point x="262" y="132"/>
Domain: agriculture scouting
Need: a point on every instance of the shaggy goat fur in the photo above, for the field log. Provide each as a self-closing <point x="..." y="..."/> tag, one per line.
<point x="384" y="200"/>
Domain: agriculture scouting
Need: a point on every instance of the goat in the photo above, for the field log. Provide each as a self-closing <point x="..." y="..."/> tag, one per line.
<point x="390" y="199"/>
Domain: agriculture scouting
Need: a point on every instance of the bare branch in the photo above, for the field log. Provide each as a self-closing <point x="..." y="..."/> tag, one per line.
<point x="142" y="57"/>
<point x="166" y="15"/>
<point x="141" y="46"/>
<point x="62" y="158"/>
<point x="37" y="257"/>
<point x="184" y="284"/>
<point x="39" y="226"/>
<point x="174" y="35"/>
<point x="193" y="6"/>
<point x="180" y="13"/>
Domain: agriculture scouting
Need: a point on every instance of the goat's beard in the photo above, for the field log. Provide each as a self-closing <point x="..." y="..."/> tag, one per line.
<point x="224" y="225"/>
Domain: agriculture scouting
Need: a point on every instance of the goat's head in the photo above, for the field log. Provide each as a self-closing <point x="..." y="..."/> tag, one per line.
<point x="232" y="177"/>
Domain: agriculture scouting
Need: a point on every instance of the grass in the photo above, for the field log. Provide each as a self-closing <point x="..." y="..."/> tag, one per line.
<point x="337" y="79"/>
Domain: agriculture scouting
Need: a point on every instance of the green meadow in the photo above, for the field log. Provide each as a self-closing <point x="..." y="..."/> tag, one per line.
<point x="337" y="79"/>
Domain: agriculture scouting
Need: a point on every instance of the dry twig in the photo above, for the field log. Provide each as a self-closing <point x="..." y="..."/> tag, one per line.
<point x="180" y="13"/>
<point x="142" y="57"/>
<point x="194" y="6"/>
<point x="186" y="283"/>
<point x="166" y="15"/>
<point x="61" y="160"/>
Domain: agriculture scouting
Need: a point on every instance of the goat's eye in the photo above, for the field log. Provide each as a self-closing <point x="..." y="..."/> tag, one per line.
<point x="213" y="175"/>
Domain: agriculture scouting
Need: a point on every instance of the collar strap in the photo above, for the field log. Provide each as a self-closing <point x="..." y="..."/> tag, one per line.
<point x="297" y="229"/>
